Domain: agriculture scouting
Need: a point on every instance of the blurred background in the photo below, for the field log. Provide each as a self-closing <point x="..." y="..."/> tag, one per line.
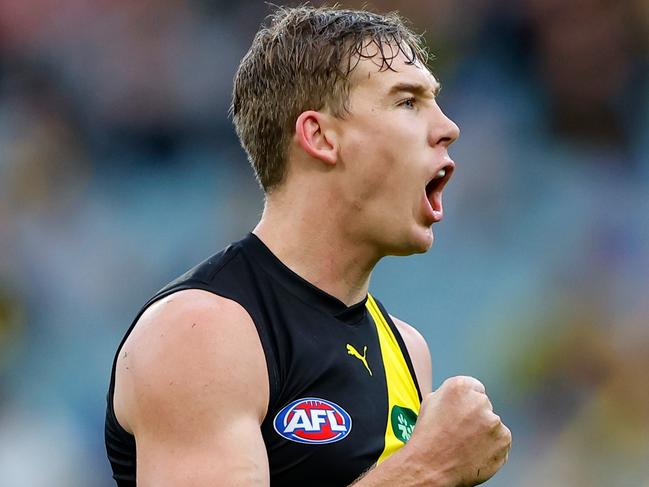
<point x="119" y="169"/>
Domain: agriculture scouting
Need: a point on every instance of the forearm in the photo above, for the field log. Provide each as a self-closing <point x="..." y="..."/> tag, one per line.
<point x="402" y="469"/>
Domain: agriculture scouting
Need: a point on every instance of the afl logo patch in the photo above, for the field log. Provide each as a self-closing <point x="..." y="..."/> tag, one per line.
<point x="313" y="421"/>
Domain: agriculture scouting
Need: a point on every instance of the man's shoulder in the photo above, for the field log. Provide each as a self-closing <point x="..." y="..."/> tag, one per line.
<point x="186" y="318"/>
<point x="191" y="305"/>
<point x="408" y="331"/>
<point x="179" y="346"/>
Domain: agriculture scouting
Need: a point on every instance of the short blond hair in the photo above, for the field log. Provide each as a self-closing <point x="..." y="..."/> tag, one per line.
<point x="303" y="60"/>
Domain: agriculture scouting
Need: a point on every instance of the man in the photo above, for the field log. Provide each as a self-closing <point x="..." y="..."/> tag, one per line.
<point x="269" y="363"/>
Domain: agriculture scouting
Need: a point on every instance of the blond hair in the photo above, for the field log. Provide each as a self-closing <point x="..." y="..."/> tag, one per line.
<point x="302" y="60"/>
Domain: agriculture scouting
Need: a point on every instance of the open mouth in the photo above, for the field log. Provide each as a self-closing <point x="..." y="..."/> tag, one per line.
<point x="434" y="189"/>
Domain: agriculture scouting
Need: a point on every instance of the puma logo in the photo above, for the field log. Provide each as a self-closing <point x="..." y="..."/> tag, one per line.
<point x="353" y="352"/>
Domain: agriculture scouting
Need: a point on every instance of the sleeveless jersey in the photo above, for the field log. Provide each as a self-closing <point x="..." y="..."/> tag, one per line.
<point x="343" y="393"/>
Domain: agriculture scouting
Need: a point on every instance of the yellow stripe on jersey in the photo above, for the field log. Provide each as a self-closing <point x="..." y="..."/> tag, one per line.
<point x="403" y="399"/>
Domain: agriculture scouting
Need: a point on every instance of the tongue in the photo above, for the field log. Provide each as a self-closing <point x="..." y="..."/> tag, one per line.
<point x="435" y="201"/>
<point x="434" y="204"/>
<point x="433" y="195"/>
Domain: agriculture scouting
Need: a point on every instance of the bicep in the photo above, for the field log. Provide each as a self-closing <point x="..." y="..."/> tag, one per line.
<point x="196" y="391"/>
<point x="234" y="455"/>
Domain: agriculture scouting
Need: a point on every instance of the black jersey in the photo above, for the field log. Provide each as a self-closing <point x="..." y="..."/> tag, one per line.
<point x="343" y="393"/>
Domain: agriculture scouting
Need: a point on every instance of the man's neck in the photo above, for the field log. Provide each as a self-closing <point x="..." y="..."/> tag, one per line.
<point x="314" y="245"/>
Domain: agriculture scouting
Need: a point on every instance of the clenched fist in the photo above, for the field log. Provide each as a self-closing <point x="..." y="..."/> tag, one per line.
<point x="458" y="434"/>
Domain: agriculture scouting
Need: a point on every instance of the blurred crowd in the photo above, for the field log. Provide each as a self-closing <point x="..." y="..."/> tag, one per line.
<point x="119" y="169"/>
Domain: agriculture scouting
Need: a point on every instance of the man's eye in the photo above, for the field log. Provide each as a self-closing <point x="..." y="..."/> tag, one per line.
<point x="408" y="103"/>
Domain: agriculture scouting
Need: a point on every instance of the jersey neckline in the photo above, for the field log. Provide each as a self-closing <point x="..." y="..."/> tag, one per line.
<point x="299" y="286"/>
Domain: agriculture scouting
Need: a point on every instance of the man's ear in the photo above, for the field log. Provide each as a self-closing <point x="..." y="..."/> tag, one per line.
<point x="314" y="139"/>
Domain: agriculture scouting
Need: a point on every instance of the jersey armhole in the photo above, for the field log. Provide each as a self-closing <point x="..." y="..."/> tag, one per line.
<point x="402" y="345"/>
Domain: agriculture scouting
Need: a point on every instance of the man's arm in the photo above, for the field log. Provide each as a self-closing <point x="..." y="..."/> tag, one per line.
<point x="458" y="440"/>
<point x="192" y="386"/>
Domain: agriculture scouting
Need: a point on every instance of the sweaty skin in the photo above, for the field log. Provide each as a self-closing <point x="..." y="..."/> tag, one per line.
<point x="191" y="380"/>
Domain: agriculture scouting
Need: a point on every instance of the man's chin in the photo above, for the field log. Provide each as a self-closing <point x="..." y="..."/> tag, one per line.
<point x="426" y="242"/>
<point x="418" y="243"/>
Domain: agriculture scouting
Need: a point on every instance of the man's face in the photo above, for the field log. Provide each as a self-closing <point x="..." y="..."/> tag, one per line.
<point x="393" y="149"/>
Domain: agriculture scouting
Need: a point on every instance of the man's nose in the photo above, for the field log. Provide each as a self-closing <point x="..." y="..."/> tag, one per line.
<point x="445" y="131"/>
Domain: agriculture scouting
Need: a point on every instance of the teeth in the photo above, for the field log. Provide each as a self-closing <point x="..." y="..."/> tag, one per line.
<point x="441" y="173"/>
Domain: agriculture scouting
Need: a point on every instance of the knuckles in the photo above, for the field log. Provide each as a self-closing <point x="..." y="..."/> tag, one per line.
<point x="454" y="383"/>
<point x="462" y="383"/>
<point x="462" y="409"/>
<point x="504" y="439"/>
<point x="465" y="397"/>
<point x="493" y="421"/>
<point x="507" y="436"/>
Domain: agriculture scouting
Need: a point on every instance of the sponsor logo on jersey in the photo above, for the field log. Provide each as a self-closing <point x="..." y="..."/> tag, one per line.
<point x="351" y="350"/>
<point x="313" y="421"/>
<point x="403" y="422"/>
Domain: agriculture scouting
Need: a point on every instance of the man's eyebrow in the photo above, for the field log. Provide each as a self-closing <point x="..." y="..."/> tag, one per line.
<point x="416" y="88"/>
